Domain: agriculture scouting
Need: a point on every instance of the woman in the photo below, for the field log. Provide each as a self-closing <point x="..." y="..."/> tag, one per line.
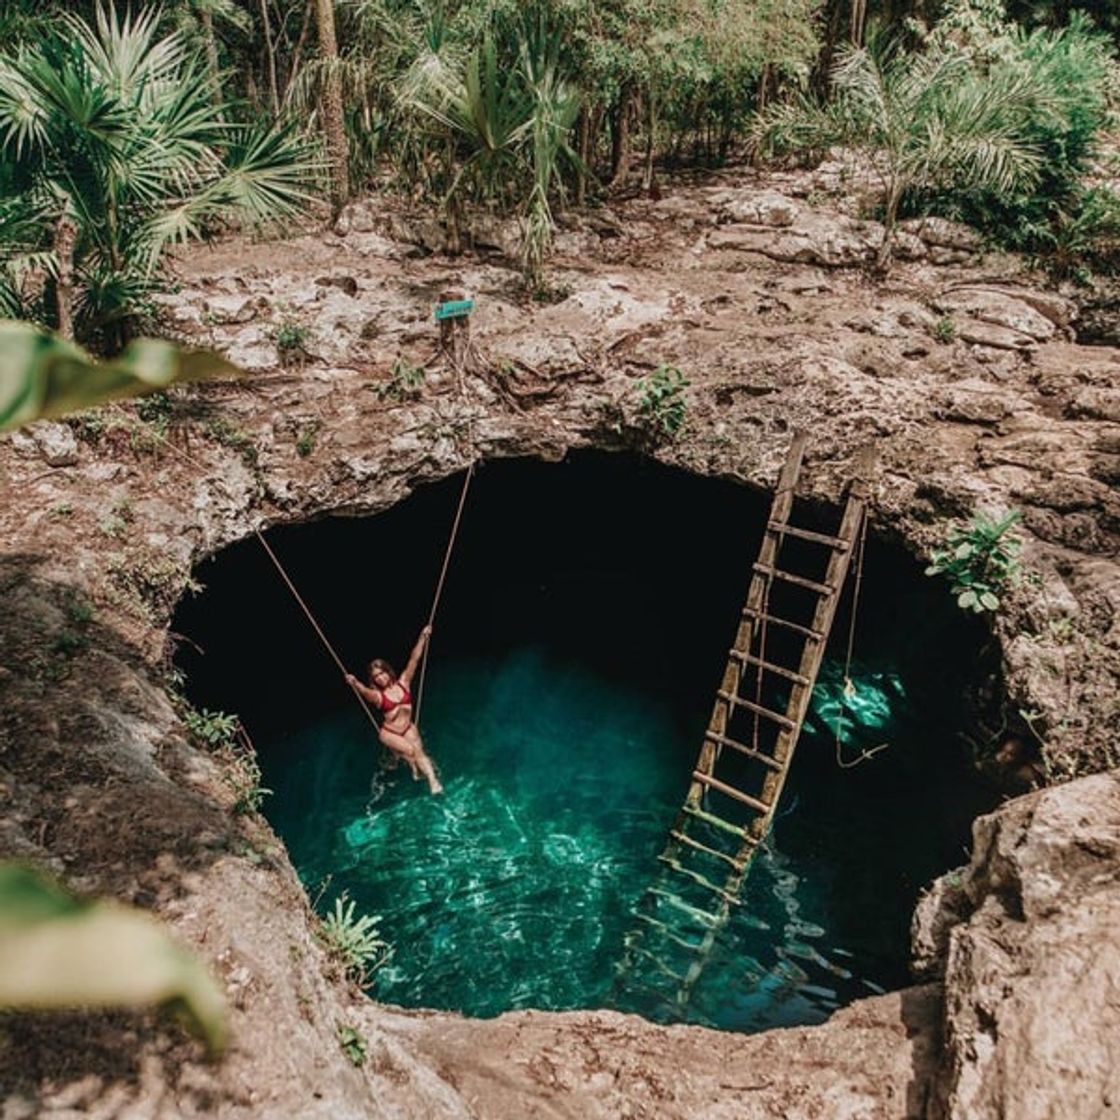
<point x="390" y="693"/>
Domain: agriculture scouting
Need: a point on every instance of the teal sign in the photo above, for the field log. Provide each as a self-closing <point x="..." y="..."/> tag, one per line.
<point x="455" y="309"/>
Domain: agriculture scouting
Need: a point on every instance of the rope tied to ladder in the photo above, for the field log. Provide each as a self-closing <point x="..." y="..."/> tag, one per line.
<point x="848" y="690"/>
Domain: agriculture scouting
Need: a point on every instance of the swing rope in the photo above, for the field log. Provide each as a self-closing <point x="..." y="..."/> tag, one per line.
<point x="439" y="588"/>
<point x="311" y="618"/>
<point x="299" y="599"/>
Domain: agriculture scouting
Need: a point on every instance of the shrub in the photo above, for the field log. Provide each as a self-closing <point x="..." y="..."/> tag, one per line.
<point x="980" y="560"/>
<point x="354" y="940"/>
<point x="661" y="404"/>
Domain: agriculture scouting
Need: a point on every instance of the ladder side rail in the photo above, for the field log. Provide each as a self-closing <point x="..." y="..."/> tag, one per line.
<point x="780" y="509"/>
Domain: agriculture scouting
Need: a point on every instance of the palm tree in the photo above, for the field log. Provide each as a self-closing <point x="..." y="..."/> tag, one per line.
<point x="928" y="121"/>
<point x="111" y="149"/>
<point x="507" y="127"/>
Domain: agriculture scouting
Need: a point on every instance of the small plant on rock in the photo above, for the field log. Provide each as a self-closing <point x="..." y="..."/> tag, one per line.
<point x="661" y="404"/>
<point x="945" y="330"/>
<point x="305" y="442"/>
<point x="353" y="1044"/>
<point x="404" y="382"/>
<point x="355" y="940"/>
<point x="981" y="561"/>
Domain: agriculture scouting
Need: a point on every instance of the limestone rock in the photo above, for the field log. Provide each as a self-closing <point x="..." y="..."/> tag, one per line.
<point x="942" y="233"/>
<point x="816" y="239"/>
<point x="1096" y="404"/>
<point x="763" y="208"/>
<point x="1032" y="1018"/>
<point x="998" y="308"/>
<point x="56" y="443"/>
<point x="997" y="337"/>
<point x="974" y="402"/>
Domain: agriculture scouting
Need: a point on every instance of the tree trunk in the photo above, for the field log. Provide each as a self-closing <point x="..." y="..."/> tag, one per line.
<point x="859" y="21"/>
<point x="65" y="238"/>
<point x="270" y="59"/>
<point x="297" y="53"/>
<point x="651" y="130"/>
<point x="334" y="123"/>
<point x="206" y="21"/>
<point x="620" y="138"/>
<point x="584" y="151"/>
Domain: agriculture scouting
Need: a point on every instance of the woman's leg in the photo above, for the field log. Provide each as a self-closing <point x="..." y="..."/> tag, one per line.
<point x="412" y="735"/>
<point x="400" y="745"/>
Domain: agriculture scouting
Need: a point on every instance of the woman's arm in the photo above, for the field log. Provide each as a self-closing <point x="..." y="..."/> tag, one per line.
<point x="370" y="694"/>
<point x="414" y="657"/>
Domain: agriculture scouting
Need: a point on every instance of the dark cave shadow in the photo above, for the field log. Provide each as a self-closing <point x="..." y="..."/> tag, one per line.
<point x="921" y="1012"/>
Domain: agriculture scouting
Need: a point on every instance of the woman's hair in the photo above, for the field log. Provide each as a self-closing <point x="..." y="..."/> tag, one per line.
<point x="377" y="664"/>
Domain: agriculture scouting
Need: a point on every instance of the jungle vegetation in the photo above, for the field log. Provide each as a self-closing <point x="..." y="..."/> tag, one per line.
<point x="124" y="129"/>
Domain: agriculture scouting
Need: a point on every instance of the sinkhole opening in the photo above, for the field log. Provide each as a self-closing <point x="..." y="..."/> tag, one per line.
<point x="583" y="630"/>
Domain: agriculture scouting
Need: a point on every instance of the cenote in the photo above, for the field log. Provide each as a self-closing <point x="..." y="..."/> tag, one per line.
<point x="587" y="613"/>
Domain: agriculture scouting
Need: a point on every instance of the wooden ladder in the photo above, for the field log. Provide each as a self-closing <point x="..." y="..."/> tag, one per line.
<point x="710" y="847"/>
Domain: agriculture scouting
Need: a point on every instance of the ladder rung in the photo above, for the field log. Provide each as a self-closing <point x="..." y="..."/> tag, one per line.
<point x="696" y="877"/>
<point x="664" y="931"/>
<point x="789" y="577"/>
<point x="660" y="964"/>
<point x="742" y="748"/>
<point x="717" y="822"/>
<point x="796" y="627"/>
<point x="758" y="709"/>
<point x="781" y="670"/>
<point x="788" y="530"/>
<point x="705" y="917"/>
<point x="686" y="839"/>
<point x="731" y="791"/>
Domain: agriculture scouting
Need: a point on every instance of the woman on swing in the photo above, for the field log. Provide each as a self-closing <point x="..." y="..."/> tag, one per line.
<point x="391" y="694"/>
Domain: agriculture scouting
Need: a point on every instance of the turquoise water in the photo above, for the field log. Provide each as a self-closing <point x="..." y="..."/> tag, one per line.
<point x="514" y="890"/>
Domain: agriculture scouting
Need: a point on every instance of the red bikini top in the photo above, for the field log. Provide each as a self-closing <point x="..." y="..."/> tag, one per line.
<point x="387" y="704"/>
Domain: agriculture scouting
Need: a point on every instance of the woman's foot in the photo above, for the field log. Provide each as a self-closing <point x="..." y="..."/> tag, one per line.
<point x="435" y="786"/>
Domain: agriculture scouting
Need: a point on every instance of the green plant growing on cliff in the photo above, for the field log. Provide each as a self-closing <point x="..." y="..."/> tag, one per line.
<point x="354" y="940"/>
<point x="405" y="381"/>
<point x="945" y="329"/>
<point x="661" y="403"/>
<point x="223" y="734"/>
<point x="980" y="560"/>
<point x="353" y="1045"/>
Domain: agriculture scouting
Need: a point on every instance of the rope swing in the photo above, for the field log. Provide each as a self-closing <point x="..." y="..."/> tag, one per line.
<point x="439" y="587"/>
<point x="307" y="610"/>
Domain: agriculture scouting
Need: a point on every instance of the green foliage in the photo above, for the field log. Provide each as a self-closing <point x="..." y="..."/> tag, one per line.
<point x="661" y="404"/>
<point x="223" y="735"/>
<point x="213" y="729"/>
<point x="354" y="940"/>
<point x="42" y="376"/>
<point x="932" y="122"/>
<point x="228" y="434"/>
<point x="58" y="952"/>
<point x="112" y="131"/>
<point x="305" y="442"/>
<point x="353" y="1044"/>
<point x="980" y="560"/>
<point x="945" y="329"/>
<point x="1069" y="77"/>
<point x="291" y="337"/>
<point x="405" y="381"/>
